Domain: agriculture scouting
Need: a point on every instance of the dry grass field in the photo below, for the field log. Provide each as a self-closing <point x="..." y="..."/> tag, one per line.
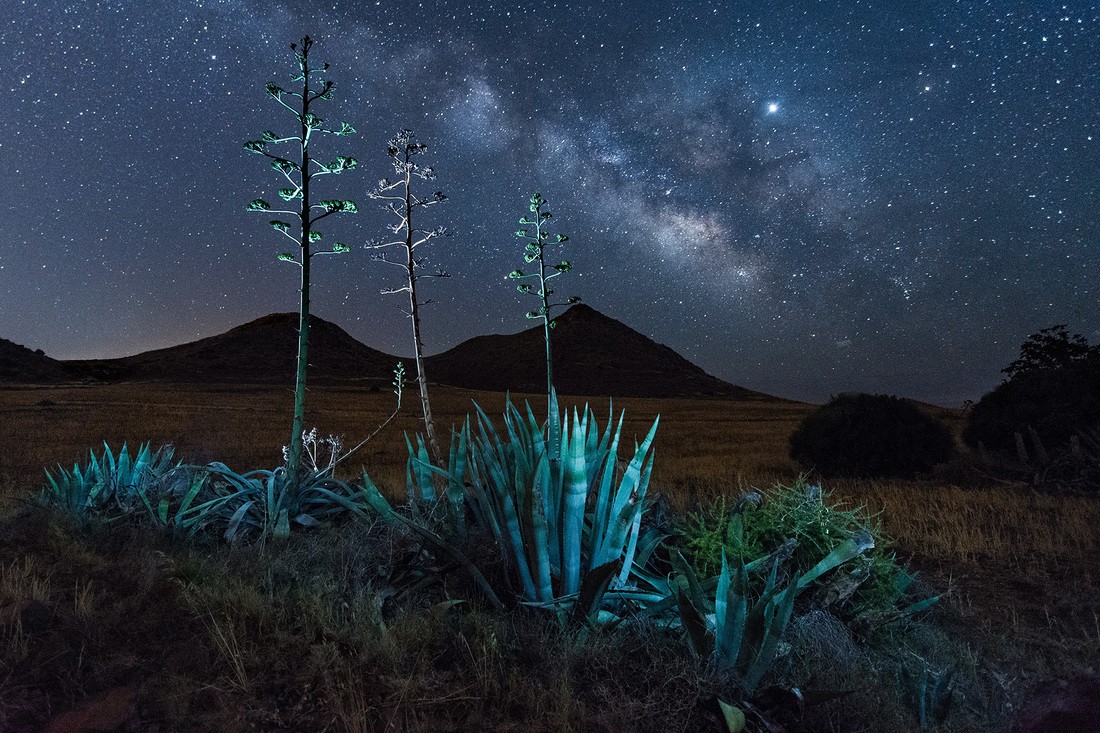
<point x="1020" y="566"/>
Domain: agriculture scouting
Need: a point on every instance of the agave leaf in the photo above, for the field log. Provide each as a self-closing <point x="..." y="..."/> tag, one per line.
<point x="195" y="486"/>
<point x="647" y="545"/>
<point x="109" y="459"/>
<point x="233" y="529"/>
<point x="756" y="621"/>
<point x="636" y="526"/>
<point x="456" y="494"/>
<point x="918" y="606"/>
<point x="692" y="618"/>
<point x="625" y="510"/>
<point x="602" y="515"/>
<point x="902" y="579"/>
<point x="356" y="503"/>
<point x="611" y="547"/>
<point x="539" y="529"/>
<point x="597" y="453"/>
<point x="590" y="598"/>
<point x="633" y="474"/>
<point x="842" y="553"/>
<point x="730" y="608"/>
<point x="511" y="522"/>
<point x="691" y="581"/>
<point x="575" y="493"/>
<point x="202" y="513"/>
<point x="779" y="616"/>
<point x="732" y="716"/>
<point x="423" y="469"/>
<point x="419" y="463"/>
<point x="490" y="435"/>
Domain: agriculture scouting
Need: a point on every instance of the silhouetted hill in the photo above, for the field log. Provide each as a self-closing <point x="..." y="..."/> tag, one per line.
<point x="260" y="351"/>
<point x="21" y="365"/>
<point x="593" y="355"/>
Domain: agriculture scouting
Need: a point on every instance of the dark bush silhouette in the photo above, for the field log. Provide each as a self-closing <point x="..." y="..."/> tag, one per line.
<point x="871" y="436"/>
<point x="1056" y="403"/>
<point x="1049" y="348"/>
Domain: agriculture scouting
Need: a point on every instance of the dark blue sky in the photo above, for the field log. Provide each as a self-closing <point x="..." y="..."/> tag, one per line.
<point x="802" y="198"/>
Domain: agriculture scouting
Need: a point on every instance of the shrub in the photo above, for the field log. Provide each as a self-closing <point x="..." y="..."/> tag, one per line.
<point x="874" y="589"/>
<point x="1056" y="403"/>
<point x="871" y="436"/>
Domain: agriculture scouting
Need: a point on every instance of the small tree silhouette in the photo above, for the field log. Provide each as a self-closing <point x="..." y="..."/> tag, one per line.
<point x="399" y="200"/>
<point x="300" y="173"/>
<point x="535" y="251"/>
<point x="1049" y="348"/>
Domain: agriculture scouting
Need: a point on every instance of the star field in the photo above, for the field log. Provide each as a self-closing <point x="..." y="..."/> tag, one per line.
<point x="802" y="199"/>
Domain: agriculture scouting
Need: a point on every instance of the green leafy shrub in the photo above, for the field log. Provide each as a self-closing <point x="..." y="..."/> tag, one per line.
<point x="871" y="436"/>
<point x="875" y="587"/>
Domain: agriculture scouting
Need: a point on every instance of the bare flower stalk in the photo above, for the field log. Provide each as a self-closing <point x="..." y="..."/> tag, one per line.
<point x="399" y="200"/>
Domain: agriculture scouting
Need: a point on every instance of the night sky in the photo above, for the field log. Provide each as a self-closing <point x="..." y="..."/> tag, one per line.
<point x="802" y="198"/>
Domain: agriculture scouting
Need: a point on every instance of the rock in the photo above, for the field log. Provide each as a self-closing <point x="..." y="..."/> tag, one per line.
<point x="1064" y="706"/>
<point x="35" y="617"/>
<point x="104" y="712"/>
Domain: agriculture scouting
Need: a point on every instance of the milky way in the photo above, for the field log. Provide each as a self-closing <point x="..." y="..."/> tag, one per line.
<point x="802" y="198"/>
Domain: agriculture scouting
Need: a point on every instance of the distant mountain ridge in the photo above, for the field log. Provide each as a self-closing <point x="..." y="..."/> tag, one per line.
<point x="19" y="364"/>
<point x="593" y="355"/>
<point x="258" y="352"/>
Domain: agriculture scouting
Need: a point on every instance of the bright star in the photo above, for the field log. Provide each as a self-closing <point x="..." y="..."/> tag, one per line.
<point x="772" y="108"/>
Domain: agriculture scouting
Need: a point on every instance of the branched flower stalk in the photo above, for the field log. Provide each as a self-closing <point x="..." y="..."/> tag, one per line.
<point x="399" y="200"/>
<point x="300" y="173"/>
<point x="535" y="251"/>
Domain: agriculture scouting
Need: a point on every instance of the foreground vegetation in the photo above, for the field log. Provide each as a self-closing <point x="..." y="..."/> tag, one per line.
<point x="324" y="632"/>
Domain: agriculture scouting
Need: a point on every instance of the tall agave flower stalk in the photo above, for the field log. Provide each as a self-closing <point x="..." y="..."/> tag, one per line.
<point x="300" y="174"/>
<point x="536" y="242"/>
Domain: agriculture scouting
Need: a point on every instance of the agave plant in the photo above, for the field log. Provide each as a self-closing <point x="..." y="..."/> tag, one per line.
<point x="746" y="635"/>
<point x="266" y="503"/>
<point x="566" y="519"/>
<point x="185" y="503"/>
<point x="107" y="486"/>
<point x="931" y="695"/>
<point x="737" y="628"/>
